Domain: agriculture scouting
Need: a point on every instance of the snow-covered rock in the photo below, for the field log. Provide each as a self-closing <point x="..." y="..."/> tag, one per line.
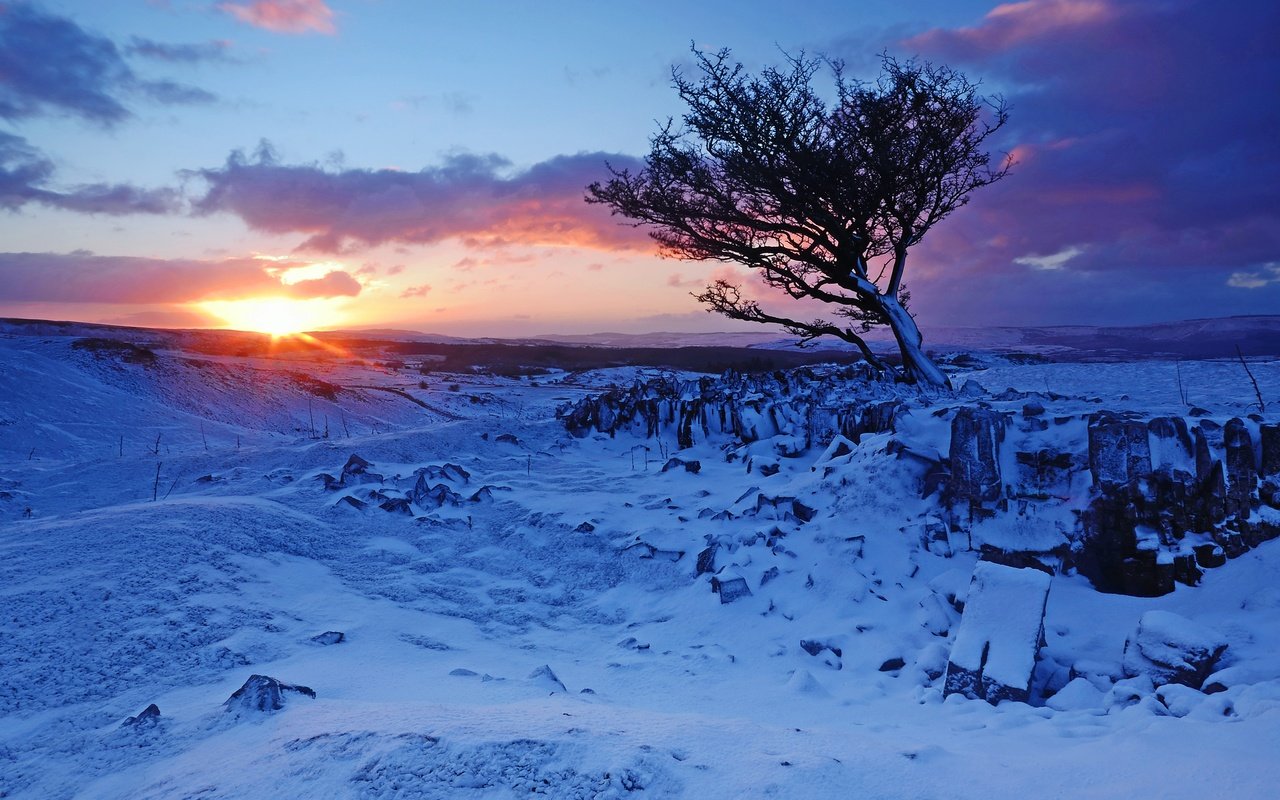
<point x="1169" y="648"/>
<point x="999" y="635"/>
<point x="262" y="694"/>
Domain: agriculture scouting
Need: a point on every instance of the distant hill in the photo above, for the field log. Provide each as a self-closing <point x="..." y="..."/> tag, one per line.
<point x="1198" y="338"/>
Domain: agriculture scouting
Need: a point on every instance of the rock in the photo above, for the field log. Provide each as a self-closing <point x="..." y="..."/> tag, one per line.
<point x="432" y="497"/>
<point x="354" y="502"/>
<point x="447" y="472"/>
<point x="546" y="678"/>
<point x="1269" y="436"/>
<point x="815" y="646"/>
<point x="1210" y="555"/>
<point x="999" y="635"/>
<point x="462" y="672"/>
<point x="1169" y="648"/>
<point x="1119" y="450"/>
<point x="1180" y="700"/>
<point x="976" y="434"/>
<point x="1044" y="473"/>
<point x="803" y="682"/>
<point x="1079" y="694"/>
<point x="1242" y="476"/>
<point x="329" y="637"/>
<point x="396" y="505"/>
<point x="693" y="467"/>
<point x="357" y="467"/>
<point x="585" y="527"/>
<point x="508" y="438"/>
<point x="731" y="589"/>
<point x="769" y="574"/>
<point x="1033" y="409"/>
<point x="706" y="561"/>
<point x="145" y="718"/>
<point x="892" y="665"/>
<point x="263" y="694"/>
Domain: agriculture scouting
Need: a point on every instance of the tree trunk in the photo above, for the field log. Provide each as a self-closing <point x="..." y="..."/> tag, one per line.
<point x="916" y="366"/>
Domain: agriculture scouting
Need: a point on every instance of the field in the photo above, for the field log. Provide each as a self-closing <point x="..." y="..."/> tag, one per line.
<point x="524" y="611"/>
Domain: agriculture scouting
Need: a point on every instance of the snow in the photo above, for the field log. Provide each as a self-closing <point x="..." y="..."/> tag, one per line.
<point x="1000" y="631"/>
<point x="471" y="633"/>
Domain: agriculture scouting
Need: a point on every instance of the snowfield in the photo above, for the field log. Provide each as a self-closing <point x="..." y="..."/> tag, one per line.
<point x="540" y="625"/>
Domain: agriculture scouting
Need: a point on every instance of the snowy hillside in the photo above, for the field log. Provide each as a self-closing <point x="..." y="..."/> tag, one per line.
<point x="459" y="596"/>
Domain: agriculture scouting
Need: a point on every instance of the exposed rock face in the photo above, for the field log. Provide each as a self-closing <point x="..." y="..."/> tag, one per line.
<point x="1119" y="452"/>
<point x="976" y="434"/>
<point x="1169" y="648"/>
<point x="1000" y="634"/>
<point x="1135" y="504"/>
<point x="262" y="694"/>
<point x="748" y="407"/>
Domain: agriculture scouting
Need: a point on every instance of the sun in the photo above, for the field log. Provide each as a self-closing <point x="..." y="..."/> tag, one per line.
<point x="278" y="316"/>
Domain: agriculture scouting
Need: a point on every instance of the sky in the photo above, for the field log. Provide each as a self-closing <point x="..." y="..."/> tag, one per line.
<point x="422" y="165"/>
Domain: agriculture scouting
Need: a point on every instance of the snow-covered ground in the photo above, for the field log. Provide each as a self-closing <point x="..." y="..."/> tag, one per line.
<point x="551" y="636"/>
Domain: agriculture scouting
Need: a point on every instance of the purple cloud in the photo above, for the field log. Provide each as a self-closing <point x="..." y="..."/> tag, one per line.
<point x="49" y="64"/>
<point x="1145" y="135"/>
<point x="25" y="174"/>
<point x="476" y="199"/>
<point x="81" y="277"/>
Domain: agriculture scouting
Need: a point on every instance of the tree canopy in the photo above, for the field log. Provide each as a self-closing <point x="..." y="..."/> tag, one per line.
<point x="823" y="198"/>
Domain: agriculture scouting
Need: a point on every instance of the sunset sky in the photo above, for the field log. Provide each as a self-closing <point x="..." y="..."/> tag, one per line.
<point x="394" y="163"/>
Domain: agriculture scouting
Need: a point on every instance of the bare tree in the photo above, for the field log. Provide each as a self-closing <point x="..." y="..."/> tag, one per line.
<point x="823" y="200"/>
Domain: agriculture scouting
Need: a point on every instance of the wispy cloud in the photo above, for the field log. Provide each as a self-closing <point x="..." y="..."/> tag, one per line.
<point x="1267" y="275"/>
<point x="284" y="16"/>
<point x="26" y="177"/>
<point x="218" y="50"/>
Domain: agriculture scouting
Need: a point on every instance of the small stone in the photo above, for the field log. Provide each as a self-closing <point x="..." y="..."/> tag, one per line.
<point x="329" y="637"/>
<point x="146" y="718"/>
<point x="892" y="665"/>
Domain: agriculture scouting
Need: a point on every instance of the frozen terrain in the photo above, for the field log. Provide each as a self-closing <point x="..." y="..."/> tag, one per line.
<point x="174" y="523"/>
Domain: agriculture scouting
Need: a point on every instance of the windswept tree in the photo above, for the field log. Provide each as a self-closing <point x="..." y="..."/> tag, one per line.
<point x="823" y="198"/>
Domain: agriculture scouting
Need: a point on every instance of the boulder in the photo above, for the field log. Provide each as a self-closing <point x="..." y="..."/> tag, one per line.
<point x="329" y="637"/>
<point x="1169" y="648"/>
<point x="999" y="635"/>
<point x="731" y="589"/>
<point x="262" y="694"/>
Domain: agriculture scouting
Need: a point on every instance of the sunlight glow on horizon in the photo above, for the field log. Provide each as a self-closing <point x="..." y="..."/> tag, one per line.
<point x="278" y="316"/>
